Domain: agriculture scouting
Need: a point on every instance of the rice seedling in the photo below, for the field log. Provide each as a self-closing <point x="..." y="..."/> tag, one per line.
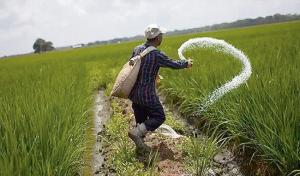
<point x="46" y="99"/>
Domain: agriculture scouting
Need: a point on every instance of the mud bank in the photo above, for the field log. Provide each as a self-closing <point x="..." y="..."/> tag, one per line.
<point x="102" y="112"/>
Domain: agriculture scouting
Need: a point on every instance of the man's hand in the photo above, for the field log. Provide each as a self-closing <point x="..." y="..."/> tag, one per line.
<point x="190" y="63"/>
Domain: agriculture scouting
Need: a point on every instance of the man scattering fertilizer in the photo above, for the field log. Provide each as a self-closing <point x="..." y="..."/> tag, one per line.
<point x="148" y="111"/>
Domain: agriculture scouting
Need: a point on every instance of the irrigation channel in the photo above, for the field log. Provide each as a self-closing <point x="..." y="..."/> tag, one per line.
<point x="102" y="112"/>
<point x="223" y="163"/>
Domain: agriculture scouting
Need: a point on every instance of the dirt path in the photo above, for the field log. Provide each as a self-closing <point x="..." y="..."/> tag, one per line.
<point x="170" y="159"/>
<point x="102" y="112"/>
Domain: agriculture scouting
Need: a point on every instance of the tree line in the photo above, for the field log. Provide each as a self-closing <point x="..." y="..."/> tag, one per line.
<point x="40" y="45"/>
<point x="239" y="23"/>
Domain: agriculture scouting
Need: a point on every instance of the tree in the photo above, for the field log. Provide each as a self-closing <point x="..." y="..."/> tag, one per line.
<point x="40" y="45"/>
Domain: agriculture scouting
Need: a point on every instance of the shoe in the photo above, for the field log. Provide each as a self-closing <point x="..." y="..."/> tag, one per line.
<point x="136" y="134"/>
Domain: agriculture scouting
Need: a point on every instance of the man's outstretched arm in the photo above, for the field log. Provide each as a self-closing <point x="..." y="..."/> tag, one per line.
<point x="165" y="61"/>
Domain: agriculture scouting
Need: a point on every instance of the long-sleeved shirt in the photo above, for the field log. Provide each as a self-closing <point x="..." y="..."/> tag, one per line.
<point x="144" y="91"/>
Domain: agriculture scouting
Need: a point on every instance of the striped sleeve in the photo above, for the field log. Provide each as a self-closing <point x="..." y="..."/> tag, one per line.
<point x="165" y="61"/>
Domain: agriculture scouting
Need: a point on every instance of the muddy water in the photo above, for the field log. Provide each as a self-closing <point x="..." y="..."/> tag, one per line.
<point x="102" y="113"/>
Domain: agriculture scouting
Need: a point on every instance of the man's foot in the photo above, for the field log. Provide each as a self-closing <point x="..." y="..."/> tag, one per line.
<point x="136" y="135"/>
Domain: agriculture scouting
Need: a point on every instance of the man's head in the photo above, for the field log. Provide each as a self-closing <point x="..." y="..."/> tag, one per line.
<point x="154" y="33"/>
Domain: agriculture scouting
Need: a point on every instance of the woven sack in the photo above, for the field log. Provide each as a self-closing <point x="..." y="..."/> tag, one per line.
<point x="128" y="75"/>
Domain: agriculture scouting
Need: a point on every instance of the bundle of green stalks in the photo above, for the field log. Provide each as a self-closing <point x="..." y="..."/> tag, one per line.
<point x="46" y="99"/>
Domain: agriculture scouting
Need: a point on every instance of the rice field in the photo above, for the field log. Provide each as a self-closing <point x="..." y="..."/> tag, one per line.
<point x="46" y="99"/>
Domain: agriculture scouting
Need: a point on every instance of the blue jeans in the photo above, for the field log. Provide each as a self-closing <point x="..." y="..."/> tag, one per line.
<point x="151" y="115"/>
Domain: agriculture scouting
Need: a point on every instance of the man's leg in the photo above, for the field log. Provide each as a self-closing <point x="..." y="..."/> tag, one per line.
<point x="139" y="113"/>
<point x="137" y="133"/>
<point x="156" y="117"/>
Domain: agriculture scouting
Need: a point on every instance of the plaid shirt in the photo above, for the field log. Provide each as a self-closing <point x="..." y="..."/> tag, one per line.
<point x="144" y="91"/>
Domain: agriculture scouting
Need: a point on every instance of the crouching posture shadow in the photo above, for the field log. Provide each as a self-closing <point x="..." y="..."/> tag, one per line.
<point x="148" y="111"/>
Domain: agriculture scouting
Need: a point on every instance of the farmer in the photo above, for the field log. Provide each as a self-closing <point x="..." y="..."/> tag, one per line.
<point x="148" y="111"/>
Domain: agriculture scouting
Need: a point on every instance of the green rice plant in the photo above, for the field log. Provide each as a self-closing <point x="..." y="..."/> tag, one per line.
<point x="199" y="154"/>
<point x="262" y="113"/>
<point x="46" y="103"/>
<point x="39" y="118"/>
<point x="152" y="162"/>
<point x="201" y="149"/>
<point x="46" y="99"/>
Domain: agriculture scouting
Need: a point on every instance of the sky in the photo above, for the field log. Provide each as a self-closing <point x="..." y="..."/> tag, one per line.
<point x="68" y="22"/>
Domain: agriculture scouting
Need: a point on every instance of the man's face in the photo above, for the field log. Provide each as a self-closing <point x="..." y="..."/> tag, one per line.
<point x="159" y="39"/>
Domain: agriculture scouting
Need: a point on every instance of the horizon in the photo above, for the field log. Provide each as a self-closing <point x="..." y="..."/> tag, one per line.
<point x="71" y="22"/>
<point x="70" y="45"/>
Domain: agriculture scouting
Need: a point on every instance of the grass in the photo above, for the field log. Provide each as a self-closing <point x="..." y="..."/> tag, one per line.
<point x="263" y="113"/>
<point x="199" y="154"/>
<point x="121" y="154"/>
<point x="39" y="118"/>
<point x="46" y="99"/>
<point x="46" y="102"/>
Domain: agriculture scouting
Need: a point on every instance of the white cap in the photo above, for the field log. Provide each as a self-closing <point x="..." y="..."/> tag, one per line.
<point x="153" y="30"/>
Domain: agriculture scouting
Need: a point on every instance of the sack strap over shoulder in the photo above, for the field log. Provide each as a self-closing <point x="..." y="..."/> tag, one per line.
<point x="147" y="50"/>
<point x="133" y="60"/>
